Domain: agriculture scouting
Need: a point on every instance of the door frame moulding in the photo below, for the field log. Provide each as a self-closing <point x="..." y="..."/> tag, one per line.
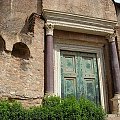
<point x="79" y="23"/>
<point x="100" y="61"/>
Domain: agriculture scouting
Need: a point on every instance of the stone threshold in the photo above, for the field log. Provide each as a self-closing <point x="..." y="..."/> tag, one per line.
<point x="113" y="117"/>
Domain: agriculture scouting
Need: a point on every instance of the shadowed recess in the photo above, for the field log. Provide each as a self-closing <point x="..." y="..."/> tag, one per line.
<point x="2" y="44"/>
<point x="21" y="50"/>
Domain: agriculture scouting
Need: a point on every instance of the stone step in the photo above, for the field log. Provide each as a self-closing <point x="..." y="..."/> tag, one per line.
<point x="113" y="117"/>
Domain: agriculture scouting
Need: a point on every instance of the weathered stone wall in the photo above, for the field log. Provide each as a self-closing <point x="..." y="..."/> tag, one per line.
<point x="118" y="28"/>
<point x="14" y="15"/>
<point x="24" y="79"/>
<point x="118" y="12"/>
<point x="21" y="79"/>
<point x="15" y="12"/>
<point x="95" y="8"/>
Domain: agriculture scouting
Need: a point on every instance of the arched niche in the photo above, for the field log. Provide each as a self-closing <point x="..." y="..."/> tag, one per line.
<point x="21" y="50"/>
<point x="2" y="44"/>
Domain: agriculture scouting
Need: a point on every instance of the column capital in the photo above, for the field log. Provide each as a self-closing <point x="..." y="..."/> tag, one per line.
<point x="49" y="29"/>
<point x="111" y="37"/>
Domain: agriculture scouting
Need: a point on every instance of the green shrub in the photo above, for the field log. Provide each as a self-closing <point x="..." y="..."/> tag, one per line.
<point x="11" y="111"/>
<point x="72" y="109"/>
<point x="53" y="108"/>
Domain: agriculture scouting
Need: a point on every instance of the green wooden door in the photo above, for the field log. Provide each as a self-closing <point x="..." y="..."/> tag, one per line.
<point x="79" y="75"/>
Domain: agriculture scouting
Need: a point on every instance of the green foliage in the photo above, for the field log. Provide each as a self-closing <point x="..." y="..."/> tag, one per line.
<point x="11" y="111"/>
<point x="53" y="108"/>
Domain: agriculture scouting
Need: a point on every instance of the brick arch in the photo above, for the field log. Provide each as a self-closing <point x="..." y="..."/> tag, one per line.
<point x="21" y="50"/>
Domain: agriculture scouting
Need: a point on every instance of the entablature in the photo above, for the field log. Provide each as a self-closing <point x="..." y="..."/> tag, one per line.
<point x="79" y="23"/>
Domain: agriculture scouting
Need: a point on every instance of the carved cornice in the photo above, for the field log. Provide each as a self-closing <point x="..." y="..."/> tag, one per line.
<point x="79" y="23"/>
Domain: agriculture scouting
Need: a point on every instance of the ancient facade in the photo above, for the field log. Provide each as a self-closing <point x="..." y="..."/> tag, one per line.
<point x="60" y="47"/>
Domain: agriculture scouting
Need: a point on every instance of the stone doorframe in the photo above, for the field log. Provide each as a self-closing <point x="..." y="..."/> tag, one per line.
<point x="81" y="24"/>
<point x="100" y="61"/>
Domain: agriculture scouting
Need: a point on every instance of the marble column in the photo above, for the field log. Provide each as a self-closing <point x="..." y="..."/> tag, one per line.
<point x="49" y="59"/>
<point x="115" y="73"/>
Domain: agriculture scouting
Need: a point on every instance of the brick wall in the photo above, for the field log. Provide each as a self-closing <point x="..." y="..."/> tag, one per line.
<point x="22" y="79"/>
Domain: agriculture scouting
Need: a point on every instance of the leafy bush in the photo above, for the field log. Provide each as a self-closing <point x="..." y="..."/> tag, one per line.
<point x="11" y="111"/>
<point x="53" y="108"/>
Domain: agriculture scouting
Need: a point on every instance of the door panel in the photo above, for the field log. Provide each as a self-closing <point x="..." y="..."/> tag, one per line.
<point x="70" y="87"/>
<point x="90" y="90"/>
<point x="68" y="70"/>
<point x="69" y="62"/>
<point x="79" y="75"/>
<point x="89" y="76"/>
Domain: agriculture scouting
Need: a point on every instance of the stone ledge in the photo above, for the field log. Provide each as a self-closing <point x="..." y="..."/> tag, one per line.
<point x="113" y="117"/>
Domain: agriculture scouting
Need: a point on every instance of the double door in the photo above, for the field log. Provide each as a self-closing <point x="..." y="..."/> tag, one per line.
<point x="79" y="75"/>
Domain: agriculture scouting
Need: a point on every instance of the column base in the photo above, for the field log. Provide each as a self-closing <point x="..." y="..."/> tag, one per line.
<point x="116" y="104"/>
<point x="49" y="94"/>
